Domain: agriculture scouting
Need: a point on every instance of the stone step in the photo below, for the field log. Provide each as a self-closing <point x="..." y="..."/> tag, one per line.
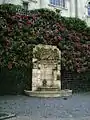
<point x="48" y="89"/>
<point x="61" y="93"/>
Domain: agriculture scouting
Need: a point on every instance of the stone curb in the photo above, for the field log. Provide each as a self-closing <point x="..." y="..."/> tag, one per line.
<point x="7" y="116"/>
<point x="29" y="118"/>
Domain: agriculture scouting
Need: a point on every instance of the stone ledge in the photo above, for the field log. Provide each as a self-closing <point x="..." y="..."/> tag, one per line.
<point x="61" y="93"/>
<point x="6" y="115"/>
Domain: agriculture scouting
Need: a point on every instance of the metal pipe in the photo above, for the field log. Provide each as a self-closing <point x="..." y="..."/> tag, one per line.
<point x="76" y="8"/>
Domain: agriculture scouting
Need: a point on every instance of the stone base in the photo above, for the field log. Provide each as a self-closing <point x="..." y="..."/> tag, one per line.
<point x="61" y="93"/>
<point x="48" y="89"/>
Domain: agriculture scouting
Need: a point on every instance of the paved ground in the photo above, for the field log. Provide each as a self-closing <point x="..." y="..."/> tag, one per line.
<point x="76" y="107"/>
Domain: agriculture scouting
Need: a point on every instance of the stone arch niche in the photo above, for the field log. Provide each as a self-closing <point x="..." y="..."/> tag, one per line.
<point x="46" y="67"/>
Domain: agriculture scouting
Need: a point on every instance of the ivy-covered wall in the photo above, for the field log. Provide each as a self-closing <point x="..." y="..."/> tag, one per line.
<point x="20" y="29"/>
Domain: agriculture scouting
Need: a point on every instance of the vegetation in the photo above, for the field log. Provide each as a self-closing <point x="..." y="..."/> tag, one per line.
<point x="20" y="29"/>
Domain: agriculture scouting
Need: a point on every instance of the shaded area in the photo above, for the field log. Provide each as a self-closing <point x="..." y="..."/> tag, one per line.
<point x="78" y="82"/>
<point x="14" y="81"/>
<point x="3" y="114"/>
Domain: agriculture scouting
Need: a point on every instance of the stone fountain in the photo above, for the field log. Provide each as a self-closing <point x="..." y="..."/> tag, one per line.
<point x="46" y="76"/>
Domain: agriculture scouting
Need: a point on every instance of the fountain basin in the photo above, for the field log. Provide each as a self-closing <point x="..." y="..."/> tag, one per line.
<point x="61" y="93"/>
<point x="47" y="88"/>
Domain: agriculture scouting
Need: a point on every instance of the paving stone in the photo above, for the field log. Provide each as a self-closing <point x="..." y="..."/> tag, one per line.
<point x="76" y="107"/>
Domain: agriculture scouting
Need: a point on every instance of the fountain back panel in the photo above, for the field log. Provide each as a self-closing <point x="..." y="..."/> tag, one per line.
<point x="46" y="76"/>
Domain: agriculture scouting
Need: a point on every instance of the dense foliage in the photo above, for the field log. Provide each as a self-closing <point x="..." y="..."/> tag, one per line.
<point x="20" y="29"/>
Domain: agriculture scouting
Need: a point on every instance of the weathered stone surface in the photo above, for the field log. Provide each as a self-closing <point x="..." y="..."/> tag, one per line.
<point x="48" y="94"/>
<point x="46" y="66"/>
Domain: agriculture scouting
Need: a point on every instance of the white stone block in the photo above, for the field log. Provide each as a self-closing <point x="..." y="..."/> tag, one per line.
<point x="47" y="69"/>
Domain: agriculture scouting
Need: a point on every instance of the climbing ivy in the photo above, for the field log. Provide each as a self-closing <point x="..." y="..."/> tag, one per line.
<point x="19" y="29"/>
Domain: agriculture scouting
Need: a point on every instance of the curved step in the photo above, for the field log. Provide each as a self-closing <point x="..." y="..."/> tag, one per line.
<point x="60" y="93"/>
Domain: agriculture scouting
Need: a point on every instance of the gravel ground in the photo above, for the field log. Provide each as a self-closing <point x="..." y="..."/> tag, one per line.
<point x="76" y="107"/>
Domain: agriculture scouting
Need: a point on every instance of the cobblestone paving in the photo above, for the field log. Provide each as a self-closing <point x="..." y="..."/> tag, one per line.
<point x="76" y="107"/>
